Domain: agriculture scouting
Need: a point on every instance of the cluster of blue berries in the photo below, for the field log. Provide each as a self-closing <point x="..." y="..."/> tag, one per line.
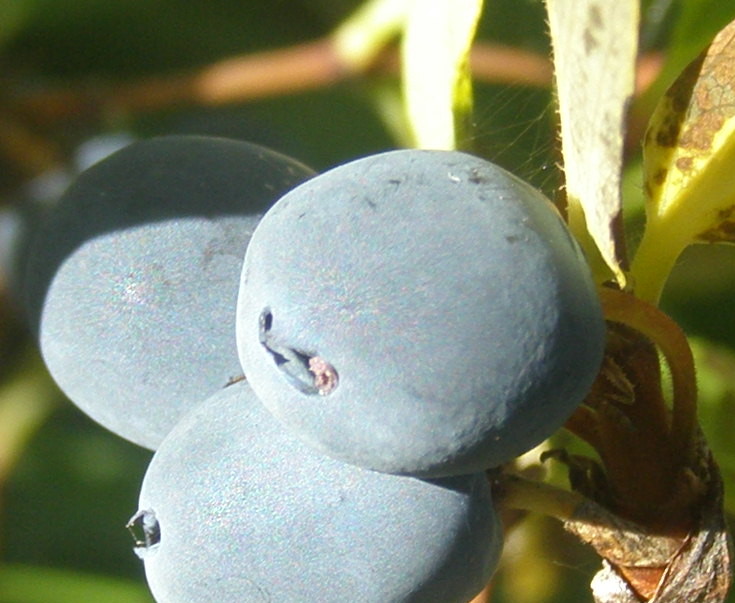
<point x="325" y="365"/>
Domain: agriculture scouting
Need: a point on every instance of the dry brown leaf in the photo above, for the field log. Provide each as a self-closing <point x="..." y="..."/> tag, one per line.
<point x="642" y="566"/>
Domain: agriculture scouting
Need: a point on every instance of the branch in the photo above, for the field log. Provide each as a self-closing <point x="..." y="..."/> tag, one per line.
<point x="306" y="66"/>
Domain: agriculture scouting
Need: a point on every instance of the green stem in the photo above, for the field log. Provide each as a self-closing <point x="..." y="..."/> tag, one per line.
<point x="653" y="261"/>
<point x="515" y="492"/>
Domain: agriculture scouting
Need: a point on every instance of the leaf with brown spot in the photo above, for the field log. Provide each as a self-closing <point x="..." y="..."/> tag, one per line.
<point x="595" y="44"/>
<point x="689" y="165"/>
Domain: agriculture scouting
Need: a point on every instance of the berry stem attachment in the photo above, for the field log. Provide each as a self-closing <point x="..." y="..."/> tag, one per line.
<point x="660" y="329"/>
<point x="518" y="493"/>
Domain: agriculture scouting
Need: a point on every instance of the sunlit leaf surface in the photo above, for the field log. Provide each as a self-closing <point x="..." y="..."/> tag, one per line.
<point x="595" y="45"/>
<point x="437" y="81"/>
<point x="361" y="37"/>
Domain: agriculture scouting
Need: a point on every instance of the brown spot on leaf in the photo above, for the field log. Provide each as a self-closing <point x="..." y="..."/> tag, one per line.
<point x="594" y="22"/>
<point x="590" y="43"/>
<point x="594" y="16"/>
<point x="700" y="133"/>
<point x="667" y="134"/>
<point x="684" y="164"/>
<point x="660" y="176"/>
<point x="723" y="230"/>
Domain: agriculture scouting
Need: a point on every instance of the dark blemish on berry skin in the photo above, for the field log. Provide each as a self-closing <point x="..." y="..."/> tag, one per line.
<point x="477" y="178"/>
<point x="303" y="369"/>
<point x="325" y="375"/>
<point x="235" y="379"/>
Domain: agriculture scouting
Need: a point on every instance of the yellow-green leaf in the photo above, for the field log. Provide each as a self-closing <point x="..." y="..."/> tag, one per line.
<point x="361" y="37"/>
<point x="437" y="82"/>
<point x="689" y="165"/>
<point x="595" y="44"/>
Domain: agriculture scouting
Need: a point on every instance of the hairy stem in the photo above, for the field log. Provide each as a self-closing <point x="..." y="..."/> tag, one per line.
<point x="656" y="326"/>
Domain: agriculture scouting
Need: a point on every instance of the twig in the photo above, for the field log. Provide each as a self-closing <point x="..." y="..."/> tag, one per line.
<point x="298" y="68"/>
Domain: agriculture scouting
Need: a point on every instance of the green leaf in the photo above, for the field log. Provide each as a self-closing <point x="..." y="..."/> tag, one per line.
<point x="26" y="400"/>
<point x="360" y="38"/>
<point x="689" y="165"/>
<point x="13" y="16"/>
<point x="437" y="81"/>
<point x="30" y="584"/>
<point x="595" y="44"/>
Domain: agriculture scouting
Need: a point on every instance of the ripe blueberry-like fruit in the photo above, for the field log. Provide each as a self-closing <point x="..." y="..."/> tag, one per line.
<point x="20" y="220"/>
<point x="418" y="312"/>
<point x="235" y="509"/>
<point x="132" y="281"/>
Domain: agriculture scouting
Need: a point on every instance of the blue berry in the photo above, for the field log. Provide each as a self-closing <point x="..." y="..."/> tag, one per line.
<point x="235" y="509"/>
<point x="132" y="281"/>
<point x="418" y="312"/>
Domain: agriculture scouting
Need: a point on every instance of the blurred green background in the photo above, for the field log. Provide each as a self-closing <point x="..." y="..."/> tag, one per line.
<point x="67" y="486"/>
